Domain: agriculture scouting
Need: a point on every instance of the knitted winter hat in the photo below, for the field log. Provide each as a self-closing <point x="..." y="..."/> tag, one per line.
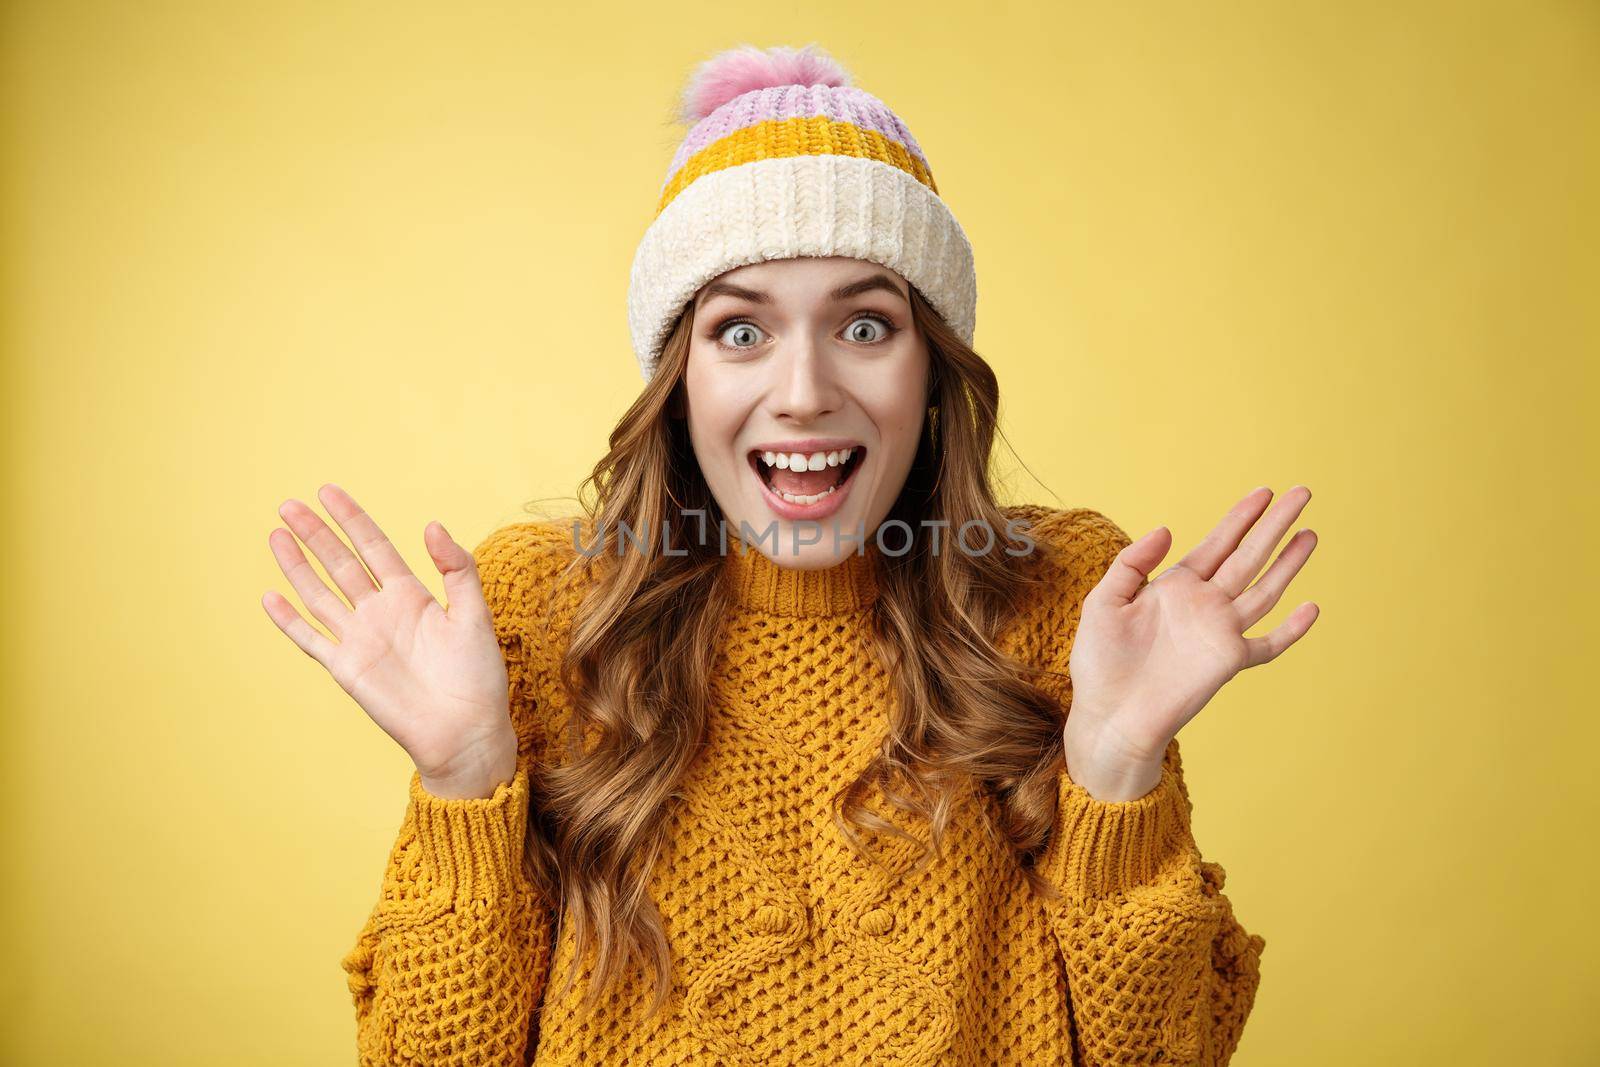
<point x="785" y="158"/>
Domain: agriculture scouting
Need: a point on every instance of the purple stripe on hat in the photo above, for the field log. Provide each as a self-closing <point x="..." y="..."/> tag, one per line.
<point x="843" y="103"/>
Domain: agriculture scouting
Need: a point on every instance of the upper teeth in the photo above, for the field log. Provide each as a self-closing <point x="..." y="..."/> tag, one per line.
<point x="800" y="461"/>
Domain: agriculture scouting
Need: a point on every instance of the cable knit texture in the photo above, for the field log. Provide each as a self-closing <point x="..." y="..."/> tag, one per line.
<point x="790" y="206"/>
<point x="788" y="947"/>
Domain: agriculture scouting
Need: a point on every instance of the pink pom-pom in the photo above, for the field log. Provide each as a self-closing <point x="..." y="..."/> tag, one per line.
<point x="739" y="70"/>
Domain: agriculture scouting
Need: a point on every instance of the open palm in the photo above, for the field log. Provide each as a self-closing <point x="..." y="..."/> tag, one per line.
<point x="1147" y="656"/>
<point x="434" y="680"/>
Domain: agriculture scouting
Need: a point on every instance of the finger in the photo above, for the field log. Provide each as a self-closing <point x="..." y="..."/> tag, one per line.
<point x="375" y="549"/>
<point x="1254" y="603"/>
<point x="1127" y="573"/>
<point x="463" y="587"/>
<point x="347" y="572"/>
<point x="325" y="607"/>
<point x="1205" y="557"/>
<point x="1265" y="649"/>
<point x="302" y="633"/>
<point x="1245" y="562"/>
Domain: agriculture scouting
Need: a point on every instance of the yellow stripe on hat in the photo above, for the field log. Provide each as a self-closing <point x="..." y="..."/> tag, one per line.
<point x="815" y="135"/>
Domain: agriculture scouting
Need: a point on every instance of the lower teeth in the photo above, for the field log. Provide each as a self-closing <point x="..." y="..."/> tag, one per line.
<point x="805" y="499"/>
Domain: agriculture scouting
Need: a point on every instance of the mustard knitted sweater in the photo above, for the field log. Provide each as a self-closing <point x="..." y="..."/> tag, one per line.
<point x="788" y="947"/>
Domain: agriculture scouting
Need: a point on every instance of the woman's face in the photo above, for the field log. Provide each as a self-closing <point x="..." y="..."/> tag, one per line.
<point x="813" y="363"/>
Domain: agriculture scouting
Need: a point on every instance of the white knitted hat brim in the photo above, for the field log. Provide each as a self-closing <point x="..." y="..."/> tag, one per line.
<point x="817" y="205"/>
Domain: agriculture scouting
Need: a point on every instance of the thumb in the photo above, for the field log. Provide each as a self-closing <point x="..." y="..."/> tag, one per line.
<point x="463" y="589"/>
<point x="1132" y="566"/>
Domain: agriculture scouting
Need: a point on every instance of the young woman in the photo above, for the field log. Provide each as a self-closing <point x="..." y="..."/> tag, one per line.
<point x="766" y="757"/>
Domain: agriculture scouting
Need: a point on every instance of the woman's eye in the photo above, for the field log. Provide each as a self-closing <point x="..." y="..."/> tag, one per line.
<point x="739" y="335"/>
<point x="868" y="330"/>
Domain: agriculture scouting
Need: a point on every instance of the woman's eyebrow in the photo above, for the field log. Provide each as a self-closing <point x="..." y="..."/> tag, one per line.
<point x="844" y="292"/>
<point x="739" y="292"/>
<point x="874" y="281"/>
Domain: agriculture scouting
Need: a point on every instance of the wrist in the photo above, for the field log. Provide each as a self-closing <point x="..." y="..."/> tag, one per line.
<point x="474" y="779"/>
<point x="1104" y="770"/>
<point x="473" y="786"/>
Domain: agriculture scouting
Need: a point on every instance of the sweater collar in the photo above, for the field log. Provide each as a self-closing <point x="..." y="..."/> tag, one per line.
<point x="761" y="585"/>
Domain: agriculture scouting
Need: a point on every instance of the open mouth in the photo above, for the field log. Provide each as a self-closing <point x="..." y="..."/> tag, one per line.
<point x="805" y="478"/>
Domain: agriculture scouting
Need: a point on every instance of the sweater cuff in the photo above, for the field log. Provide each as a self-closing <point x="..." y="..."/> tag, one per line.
<point x="472" y="846"/>
<point x="1102" y="848"/>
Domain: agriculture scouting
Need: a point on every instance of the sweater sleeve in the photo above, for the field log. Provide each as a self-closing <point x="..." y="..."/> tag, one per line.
<point x="1158" y="968"/>
<point x="451" y="964"/>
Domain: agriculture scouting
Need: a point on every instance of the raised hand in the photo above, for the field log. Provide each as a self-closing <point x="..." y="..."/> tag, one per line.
<point x="1147" y="658"/>
<point x="432" y="679"/>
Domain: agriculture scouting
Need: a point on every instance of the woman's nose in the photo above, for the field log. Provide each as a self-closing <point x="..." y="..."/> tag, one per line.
<point x="806" y="384"/>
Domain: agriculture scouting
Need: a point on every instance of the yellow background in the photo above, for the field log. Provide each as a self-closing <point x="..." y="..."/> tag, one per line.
<point x="252" y="248"/>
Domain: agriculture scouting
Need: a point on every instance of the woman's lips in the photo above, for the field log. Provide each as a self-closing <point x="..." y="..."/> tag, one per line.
<point x="821" y="508"/>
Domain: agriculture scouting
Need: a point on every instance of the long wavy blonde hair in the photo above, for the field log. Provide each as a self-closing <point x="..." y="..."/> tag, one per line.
<point x="643" y="641"/>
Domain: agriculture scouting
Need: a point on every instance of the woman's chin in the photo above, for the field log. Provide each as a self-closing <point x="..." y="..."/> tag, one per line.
<point x="805" y="533"/>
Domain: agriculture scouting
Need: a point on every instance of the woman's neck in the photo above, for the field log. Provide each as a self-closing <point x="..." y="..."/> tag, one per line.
<point x="761" y="585"/>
